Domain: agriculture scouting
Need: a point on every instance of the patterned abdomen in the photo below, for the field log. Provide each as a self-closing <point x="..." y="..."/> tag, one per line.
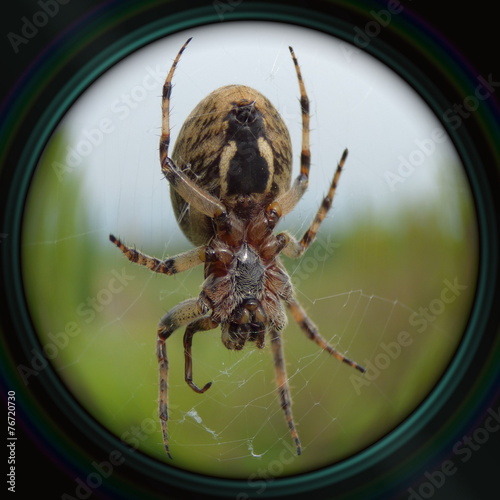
<point x="234" y="143"/>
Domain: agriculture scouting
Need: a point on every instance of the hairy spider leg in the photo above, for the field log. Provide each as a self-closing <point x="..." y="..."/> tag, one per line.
<point x="305" y="155"/>
<point x="184" y="313"/>
<point x="282" y="384"/>
<point x="294" y="248"/>
<point x="167" y="91"/>
<point x="198" y="198"/>
<point x="172" y="265"/>
<point x="288" y="200"/>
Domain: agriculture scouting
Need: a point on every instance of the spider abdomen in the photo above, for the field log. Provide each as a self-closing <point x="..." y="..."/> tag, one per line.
<point x="233" y="143"/>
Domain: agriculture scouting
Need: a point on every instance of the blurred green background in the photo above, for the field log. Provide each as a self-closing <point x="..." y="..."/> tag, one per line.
<point x="362" y="293"/>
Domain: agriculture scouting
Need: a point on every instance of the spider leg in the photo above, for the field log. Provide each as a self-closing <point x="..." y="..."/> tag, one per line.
<point x="198" y="198"/>
<point x="177" y="264"/>
<point x="305" y="156"/>
<point x="185" y="312"/>
<point x="294" y="248"/>
<point x="282" y="384"/>
<point x="288" y="200"/>
<point x="199" y="325"/>
<point x="167" y="91"/>
<point x="310" y="329"/>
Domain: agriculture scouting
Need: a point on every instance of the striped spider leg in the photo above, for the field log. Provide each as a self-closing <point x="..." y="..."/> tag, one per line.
<point x="295" y="249"/>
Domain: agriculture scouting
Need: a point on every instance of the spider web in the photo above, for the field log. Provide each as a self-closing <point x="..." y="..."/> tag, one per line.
<point x="238" y="422"/>
<point x="373" y="291"/>
<point x="365" y="303"/>
<point x="239" y="372"/>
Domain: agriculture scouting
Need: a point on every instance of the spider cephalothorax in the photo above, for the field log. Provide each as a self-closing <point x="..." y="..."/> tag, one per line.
<point x="245" y="282"/>
<point x="230" y="177"/>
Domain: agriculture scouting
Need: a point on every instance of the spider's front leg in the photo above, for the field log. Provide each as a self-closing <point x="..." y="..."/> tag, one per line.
<point x="290" y="198"/>
<point x="198" y="198"/>
<point x="167" y="91"/>
<point x="184" y="313"/>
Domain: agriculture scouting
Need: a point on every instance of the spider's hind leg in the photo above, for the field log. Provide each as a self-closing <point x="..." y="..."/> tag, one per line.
<point x="282" y="384"/>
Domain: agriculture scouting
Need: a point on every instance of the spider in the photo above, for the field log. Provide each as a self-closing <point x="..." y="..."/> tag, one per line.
<point x="230" y="181"/>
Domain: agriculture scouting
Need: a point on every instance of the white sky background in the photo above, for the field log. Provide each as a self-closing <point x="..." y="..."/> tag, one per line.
<point x="356" y="102"/>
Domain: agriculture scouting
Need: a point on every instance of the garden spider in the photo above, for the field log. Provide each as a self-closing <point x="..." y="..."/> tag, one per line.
<point x="230" y="185"/>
